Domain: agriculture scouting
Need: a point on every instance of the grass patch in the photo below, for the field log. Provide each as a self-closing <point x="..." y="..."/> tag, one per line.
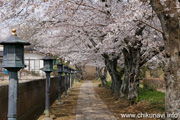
<point x="157" y="99"/>
<point x="109" y="84"/>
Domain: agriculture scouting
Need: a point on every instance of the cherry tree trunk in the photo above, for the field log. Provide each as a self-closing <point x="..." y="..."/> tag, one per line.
<point x="170" y="27"/>
<point x="98" y="72"/>
<point x="103" y="76"/>
<point x="172" y="75"/>
<point x="115" y="76"/>
<point x="132" y="72"/>
<point x="124" y="87"/>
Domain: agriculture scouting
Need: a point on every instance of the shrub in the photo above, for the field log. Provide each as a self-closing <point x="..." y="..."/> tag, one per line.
<point x="154" y="83"/>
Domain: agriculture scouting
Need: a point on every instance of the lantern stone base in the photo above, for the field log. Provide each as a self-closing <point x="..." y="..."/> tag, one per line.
<point x="47" y="118"/>
<point x="59" y="103"/>
<point x="45" y="111"/>
<point x="66" y="95"/>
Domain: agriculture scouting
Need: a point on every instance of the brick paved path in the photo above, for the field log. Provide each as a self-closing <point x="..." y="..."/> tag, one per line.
<point x="90" y="106"/>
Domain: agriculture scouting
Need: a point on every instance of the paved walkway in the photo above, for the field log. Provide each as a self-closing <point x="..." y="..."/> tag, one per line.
<point x="90" y="106"/>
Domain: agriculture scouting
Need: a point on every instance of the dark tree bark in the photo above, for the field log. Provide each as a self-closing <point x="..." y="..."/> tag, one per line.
<point x="132" y="70"/>
<point x="98" y="70"/>
<point x="170" y="27"/>
<point x="115" y="75"/>
<point x="132" y="65"/>
<point x="103" y="76"/>
<point x="133" y="60"/>
<point x="111" y="65"/>
<point x="116" y="78"/>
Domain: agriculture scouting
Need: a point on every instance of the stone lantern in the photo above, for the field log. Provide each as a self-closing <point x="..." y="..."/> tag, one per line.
<point x="48" y="68"/>
<point x="13" y="54"/>
<point x="75" y="72"/>
<point x="60" y="71"/>
<point x="60" y="67"/>
<point x="48" y="63"/>
<point x="69" y="72"/>
<point x="72" y="77"/>
<point x="13" y="61"/>
<point x="65" y="71"/>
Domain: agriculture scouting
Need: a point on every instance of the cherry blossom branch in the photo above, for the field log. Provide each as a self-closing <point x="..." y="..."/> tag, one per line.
<point x="90" y="7"/>
<point x="150" y="26"/>
<point x="77" y="7"/>
<point x="151" y="55"/>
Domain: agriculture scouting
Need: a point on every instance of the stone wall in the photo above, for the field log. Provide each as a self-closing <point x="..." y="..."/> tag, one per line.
<point x="31" y="98"/>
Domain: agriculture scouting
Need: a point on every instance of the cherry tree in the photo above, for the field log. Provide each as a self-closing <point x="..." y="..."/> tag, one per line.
<point x="138" y="41"/>
<point x="111" y="33"/>
<point x="126" y="30"/>
<point x="114" y="29"/>
<point x="168" y="14"/>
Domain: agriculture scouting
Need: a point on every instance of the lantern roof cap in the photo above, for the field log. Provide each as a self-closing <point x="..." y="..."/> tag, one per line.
<point x="65" y="66"/>
<point x="47" y="57"/>
<point x="59" y="63"/>
<point x="14" y="39"/>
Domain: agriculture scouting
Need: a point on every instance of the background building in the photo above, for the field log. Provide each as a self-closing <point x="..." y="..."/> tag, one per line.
<point x="32" y="60"/>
